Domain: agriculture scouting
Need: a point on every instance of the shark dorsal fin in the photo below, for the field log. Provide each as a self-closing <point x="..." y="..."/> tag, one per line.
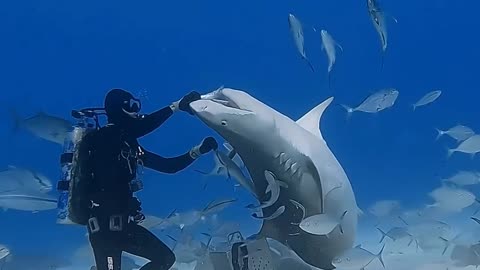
<point x="311" y="120"/>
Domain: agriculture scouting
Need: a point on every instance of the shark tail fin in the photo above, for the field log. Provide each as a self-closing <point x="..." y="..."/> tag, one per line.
<point x="384" y="234"/>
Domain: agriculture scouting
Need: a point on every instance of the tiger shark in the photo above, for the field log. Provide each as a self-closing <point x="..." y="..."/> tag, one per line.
<point x="297" y="154"/>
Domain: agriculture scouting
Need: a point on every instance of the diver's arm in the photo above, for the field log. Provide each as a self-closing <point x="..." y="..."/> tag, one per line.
<point x="149" y="122"/>
<point x="176" y="164"/>
<point x="166" y="165"/>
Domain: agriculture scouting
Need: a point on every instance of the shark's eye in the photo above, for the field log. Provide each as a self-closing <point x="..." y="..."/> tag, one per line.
<point x="224" y="123"/>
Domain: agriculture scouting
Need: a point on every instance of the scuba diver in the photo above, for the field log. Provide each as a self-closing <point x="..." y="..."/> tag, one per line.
<point x="110" y="158"/>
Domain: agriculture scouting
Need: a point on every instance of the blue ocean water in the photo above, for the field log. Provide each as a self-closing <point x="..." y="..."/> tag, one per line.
<point x="57" y="56"/>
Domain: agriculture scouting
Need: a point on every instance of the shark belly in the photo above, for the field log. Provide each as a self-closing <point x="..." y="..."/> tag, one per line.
<point x="308" y="184"/>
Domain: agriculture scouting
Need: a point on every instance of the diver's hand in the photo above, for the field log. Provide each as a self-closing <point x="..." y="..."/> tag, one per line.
<point x="208" y="144"/>
<point x="184" y="104"/>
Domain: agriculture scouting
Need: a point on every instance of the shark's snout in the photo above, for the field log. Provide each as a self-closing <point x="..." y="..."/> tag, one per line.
<point x="199" y="106"/>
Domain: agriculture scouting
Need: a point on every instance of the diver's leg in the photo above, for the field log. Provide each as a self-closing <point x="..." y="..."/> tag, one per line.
<point x="143" y="243"/>
<point x="108" y="255"/>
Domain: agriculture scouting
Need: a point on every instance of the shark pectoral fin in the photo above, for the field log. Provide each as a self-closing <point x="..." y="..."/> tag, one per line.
<point x="339" y="46"/>
<point x="311" y="120"/>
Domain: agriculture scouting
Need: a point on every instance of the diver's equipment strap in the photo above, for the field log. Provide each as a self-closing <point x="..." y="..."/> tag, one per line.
<point x="175" y="106"/>
<point x="116" y="223"/>
<point x="195" y="152"/>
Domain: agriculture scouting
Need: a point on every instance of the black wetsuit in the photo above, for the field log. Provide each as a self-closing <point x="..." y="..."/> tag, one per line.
<point x="113" y="152"/>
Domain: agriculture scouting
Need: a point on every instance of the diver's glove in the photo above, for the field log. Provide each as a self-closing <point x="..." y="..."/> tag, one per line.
<point x="184" y="103"/>
<point x="208" y="144"/>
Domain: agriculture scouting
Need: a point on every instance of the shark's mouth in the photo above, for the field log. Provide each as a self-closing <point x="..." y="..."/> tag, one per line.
<point x="219" y="97"/>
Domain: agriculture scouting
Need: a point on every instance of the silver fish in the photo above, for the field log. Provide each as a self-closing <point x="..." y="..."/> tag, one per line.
<point x="273" y="188"/>
<point x="464" y="178"/>
<point x="217" y="206"/>
<point x="296" y="30"/>
<point x="458" y="132"/>
<point x="322" y="224"/>
<point x="469" y="146"/>
<point x="4" y="252"/>
<point x="23" y="180"/>
<point x="329" y="45"/>
<point x="235" y="171"/>
<point x="453" y="199"/>
<point x="48" y="127"/>
<point x="376" y="102"/>
<point x="396" y="233"/>
<point x="427" y="98"/>
<point x="377" y="15"/>
<point x="357" y="258"/>
<point x="274" y="215"/>
<point x="26" y="202"/>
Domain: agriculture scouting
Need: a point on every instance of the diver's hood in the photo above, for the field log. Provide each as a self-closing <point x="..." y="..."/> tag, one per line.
<point x="121" y="107"/>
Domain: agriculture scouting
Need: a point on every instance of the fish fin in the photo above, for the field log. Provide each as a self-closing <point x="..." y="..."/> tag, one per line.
<point x="411" y="240"/>
<point x="311" y="120"/>
<point x="309" y="64"/>
<point x="379" y="256"/>
<point x="348" y="109"/>
<point x="440" y="133"/>
<point x="414" y="107"/>
<point x="339" y="46"/>
<point x="329" y="75"/>
<point x="447" y="244"/>
<point x="475" y="219"/>
<point x="383" y="60"/>
<point x="402" y="220"/>
<point x="358" y="246"/>
<point x="384" y="234"/>
<point x="450" y="152"/>
<point x="391" y="17"/>
<point x="17" y="120"/>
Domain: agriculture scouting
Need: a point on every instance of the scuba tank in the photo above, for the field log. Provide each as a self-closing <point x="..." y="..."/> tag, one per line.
<point x="73" y="182"/>
<point x="87" y="121"/>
